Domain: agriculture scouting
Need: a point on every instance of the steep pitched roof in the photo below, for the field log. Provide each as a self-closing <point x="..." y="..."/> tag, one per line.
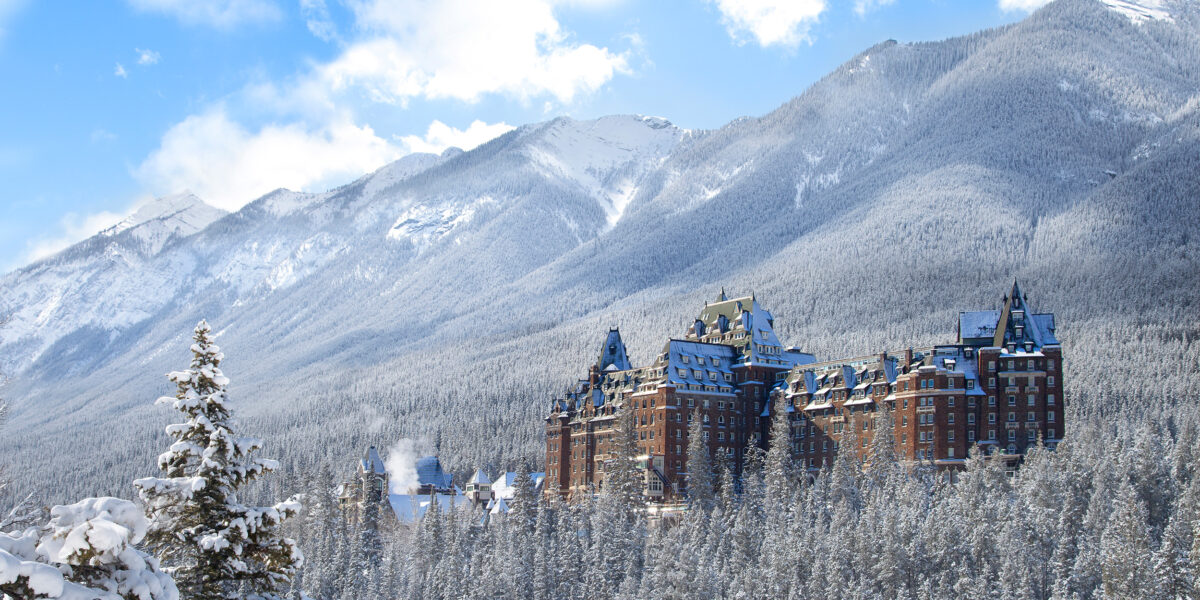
<point x="429" y="471"/>
<point x="613" y="354"/>
<point x="480" y="478"/>
<point x="371" y="463"/>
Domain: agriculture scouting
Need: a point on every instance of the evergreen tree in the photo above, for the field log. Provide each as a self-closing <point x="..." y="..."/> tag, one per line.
<point x="1125" y="546"/>
<point x="779" y="469"/>
<point x="699" y="466"/>
<point x="623" y="479"/>
<point x="215" y="546"/>
<point x="86" y="550"/>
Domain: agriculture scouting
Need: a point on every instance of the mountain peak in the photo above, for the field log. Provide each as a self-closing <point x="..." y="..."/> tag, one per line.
<point x="162" y="218"/>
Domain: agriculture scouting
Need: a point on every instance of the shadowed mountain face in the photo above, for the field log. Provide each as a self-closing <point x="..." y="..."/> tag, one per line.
<point x="448" y="297"/>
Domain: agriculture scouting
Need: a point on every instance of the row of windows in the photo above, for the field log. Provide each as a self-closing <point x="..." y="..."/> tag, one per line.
<point x="1030" y="365"/>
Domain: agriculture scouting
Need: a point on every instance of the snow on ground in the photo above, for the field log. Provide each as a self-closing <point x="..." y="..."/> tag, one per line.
<point x="1141" y="10"/>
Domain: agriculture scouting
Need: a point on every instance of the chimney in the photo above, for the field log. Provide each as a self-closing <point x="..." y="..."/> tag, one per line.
<point x="908" y="357"/>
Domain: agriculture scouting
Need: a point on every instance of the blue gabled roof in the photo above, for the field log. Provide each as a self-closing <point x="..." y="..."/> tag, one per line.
<point x="613" y="354"/>
<point x="429" y="472"/>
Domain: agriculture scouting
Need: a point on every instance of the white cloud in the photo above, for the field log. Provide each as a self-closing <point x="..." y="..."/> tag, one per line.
<point x="223" y="14"/>
<point x="770" y="22"/>
<point x="228" y="166"/>
<point x="1022" y="5"/>
<point x="463" y="49"/>
<point x="73" y="228"/>
<point x="102" y="135"/>
<point x="863" y="7"/>
<point x="120" y="71"/>
<point x="317" y="19"/>
<point x="441" y="136"/>
<point x="147" y="57"/>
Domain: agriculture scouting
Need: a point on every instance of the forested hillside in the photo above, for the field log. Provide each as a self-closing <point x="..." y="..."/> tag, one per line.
<point x="449" y="297"/>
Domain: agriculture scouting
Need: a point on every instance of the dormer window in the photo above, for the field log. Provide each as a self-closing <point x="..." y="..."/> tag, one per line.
<point x="700" y="360"/>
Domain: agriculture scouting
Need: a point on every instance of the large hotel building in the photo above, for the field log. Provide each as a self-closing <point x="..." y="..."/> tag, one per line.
<point x="999" y="386"/>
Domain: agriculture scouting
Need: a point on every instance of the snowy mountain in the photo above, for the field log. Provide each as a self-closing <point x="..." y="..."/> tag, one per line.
<point x="450" y="296"/>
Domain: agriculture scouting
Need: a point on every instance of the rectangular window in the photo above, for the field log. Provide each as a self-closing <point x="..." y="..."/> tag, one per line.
<point x="1031" y="435"/>
<point x="949" y="452"/>
<point x="1012" y="400"/>
<point x="1031" y="416"/>
<point x="1050" y="399"/>
<point x="1012" y="417"/>
<point x="904" y="438"/>
<point x="1031" y="400"/>
<point x="950" y="401"/>
<point x="1050" y="434"/>
<point x="1050" y="417"/>
<point x="970" y="402"/>
<point x="970" y="436"/>
<point x="971" y="419"/>
<point x="950" y="436"/>
<point x="992" y="434"/>
<point x="991" y="418"/>
<point x="1012" y="435"/>
<point x="950" y="418"/>
<point x="992" y="366"/>
<point x="1050" y="381"/>
<point x="991" y="400"/>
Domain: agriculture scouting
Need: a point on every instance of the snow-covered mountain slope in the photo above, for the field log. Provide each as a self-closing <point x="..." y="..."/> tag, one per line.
<point x="451" y="295"/>
<point x="156" y="222"/>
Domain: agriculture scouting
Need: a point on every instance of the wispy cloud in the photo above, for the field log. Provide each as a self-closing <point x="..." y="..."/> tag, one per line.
<point x="1022" y="5"/>
<point x="229" y="165"/>
<point x="72" y="228"/>
<point x="222" y="14"/>
<point x="441" y="136"/>
<point x="102" y="135"/>
<point x="120" y="71"/>
<point x="862" y="7"/>
<point x="147" y="57"/>
<point x="770" y="22"/>
<point x="317" y="19"/>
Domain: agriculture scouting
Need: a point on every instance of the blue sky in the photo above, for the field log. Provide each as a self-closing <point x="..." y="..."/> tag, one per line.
<point x="109" y="104"/>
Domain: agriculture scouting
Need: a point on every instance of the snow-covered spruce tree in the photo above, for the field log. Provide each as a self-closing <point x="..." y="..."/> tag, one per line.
<point x="779" y="470"/>
<point x="85" y="552"/>
<point x="215" y="546"/>
<point x="699" y="466"/>
<point x="623" y="480"/>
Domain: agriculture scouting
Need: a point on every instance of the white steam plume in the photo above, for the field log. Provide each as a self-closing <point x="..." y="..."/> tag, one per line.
<point x="401" y="464"/>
